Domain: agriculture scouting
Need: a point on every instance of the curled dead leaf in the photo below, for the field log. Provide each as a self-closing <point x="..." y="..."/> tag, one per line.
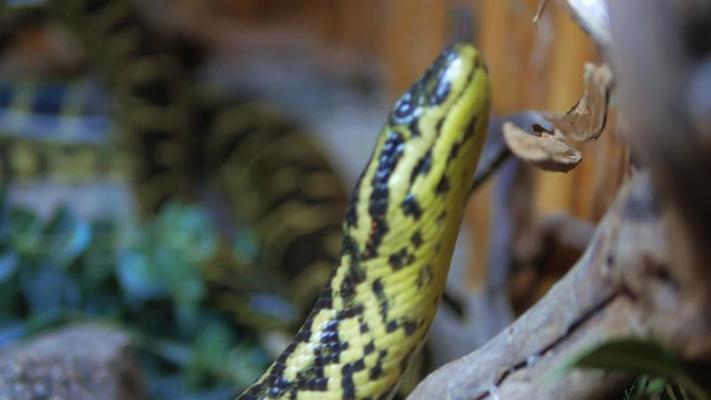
<point x="549" y="151"/>
<point x="586" y="120"/>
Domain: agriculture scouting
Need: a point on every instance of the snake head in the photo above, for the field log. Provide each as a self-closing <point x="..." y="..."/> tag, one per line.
<point x="429" y="144"/>
<point x="434" y="95"/>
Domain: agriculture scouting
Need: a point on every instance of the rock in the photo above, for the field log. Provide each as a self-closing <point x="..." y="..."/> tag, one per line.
<point x="81" y="362"/>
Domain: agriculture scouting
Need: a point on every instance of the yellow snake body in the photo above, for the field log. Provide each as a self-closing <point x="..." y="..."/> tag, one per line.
<point x="399" y="234"/>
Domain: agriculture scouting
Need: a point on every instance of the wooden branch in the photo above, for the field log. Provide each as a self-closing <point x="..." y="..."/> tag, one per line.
<point x="593" y="302"/>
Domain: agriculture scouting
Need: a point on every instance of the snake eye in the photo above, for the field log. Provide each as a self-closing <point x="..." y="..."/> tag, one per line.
<point x="404" y="108"/>
<point x="441" y="92"/>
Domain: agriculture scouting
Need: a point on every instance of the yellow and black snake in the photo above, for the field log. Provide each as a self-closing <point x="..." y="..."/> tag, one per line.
<point x="182" y="139"/>
<point x="402" y="219"/>
<point x="398" y="237"/>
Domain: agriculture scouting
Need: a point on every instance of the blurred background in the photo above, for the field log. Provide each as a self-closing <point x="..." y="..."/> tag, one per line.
<point x="333" y="68"/>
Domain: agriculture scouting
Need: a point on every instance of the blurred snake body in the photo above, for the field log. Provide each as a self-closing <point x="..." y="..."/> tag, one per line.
<point x="398" y="238"/>
<point x="180" y="140"/>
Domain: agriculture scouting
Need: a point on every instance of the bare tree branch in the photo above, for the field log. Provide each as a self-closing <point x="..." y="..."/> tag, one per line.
<point x="593" y="302"/>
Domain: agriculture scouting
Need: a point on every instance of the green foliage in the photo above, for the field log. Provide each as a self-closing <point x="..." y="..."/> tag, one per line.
<point x="66" y="268"/>
<point x="656" y="388"/>
<point x="662" y="375"/>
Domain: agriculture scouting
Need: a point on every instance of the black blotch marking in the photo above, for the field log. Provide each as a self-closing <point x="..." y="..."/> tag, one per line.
<point x="352" y="211"/>
<point x="378" y="205"/>
<point x="454" y="151"/>
<point x="330" y="345"/>
<point x="349" y="246"/>
<point x="155" y="91"/>
<point x="422" y="167"/>
<point x="391" y="326"/>
<point x="369" y="348"/>
<point x="469" y="131"/>
<point x="416" y="239"/>
<point x="347" y="383"/>
<point x="443" y="185"/>
<point x="377" y="370"/>
<point x="410" y="259"/>
<point x="325" y="300"/>
<point x="414" y="128"/>
<point x="352" y="278"/>
<point x="312" y="378"/>
<point x="315" y="384"/>
<point x="411" y="207"/>
<point x="377" y="286"/>
<point x="384" y="305"/>
<point x="350" y="312"/>
<point x="398" y="259"/>
<point x="364" y="327"/>
<point x="610" y="260"/>
<point x="410" y="327"/>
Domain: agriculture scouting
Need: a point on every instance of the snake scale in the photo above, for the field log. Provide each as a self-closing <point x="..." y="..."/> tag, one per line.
<point x="400" y="225"/>
<point x="398" y="238"/>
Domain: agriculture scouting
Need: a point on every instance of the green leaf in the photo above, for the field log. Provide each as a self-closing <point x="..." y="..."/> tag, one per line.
<point x="25" y="232"/>
<point x="136" y="278"/>
<point x="8" y="265"/>
<point x="655" y="386"/>
<point x="640" y="356"/>
<point x="66" y="237"/>
<point x="48" y="290"/>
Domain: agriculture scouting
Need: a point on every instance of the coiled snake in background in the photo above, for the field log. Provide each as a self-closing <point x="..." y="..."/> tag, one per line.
<point x="182" y="139"/>
<point x="400" y="226"/>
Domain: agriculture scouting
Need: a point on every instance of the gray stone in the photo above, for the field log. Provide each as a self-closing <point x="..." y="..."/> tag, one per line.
<point x="81" y="362"/>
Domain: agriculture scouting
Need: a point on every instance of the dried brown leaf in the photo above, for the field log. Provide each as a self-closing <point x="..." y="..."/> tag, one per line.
<point x="549" y="151"/>
<point x="586" y="120"/>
